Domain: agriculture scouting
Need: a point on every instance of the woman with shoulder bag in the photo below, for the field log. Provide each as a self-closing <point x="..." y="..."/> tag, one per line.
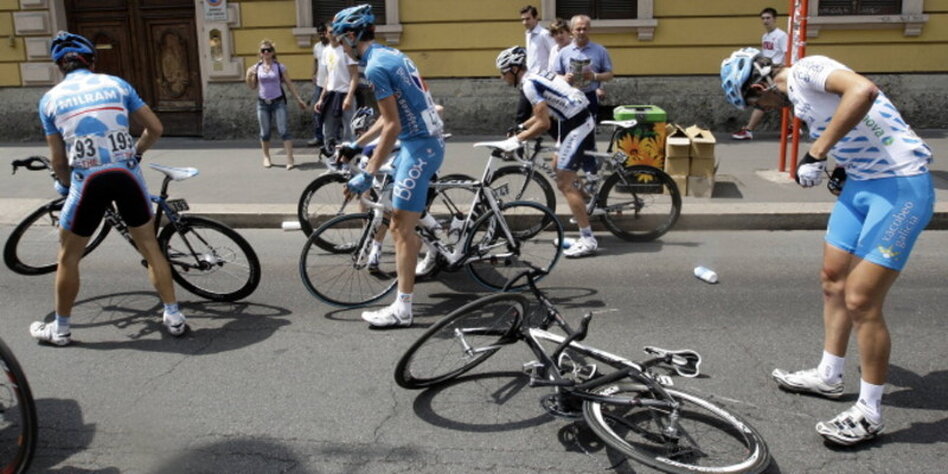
<point x="268" y="77"/>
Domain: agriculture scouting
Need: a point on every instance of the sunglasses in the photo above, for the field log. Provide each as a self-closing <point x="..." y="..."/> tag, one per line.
<point x="266" y="50"/>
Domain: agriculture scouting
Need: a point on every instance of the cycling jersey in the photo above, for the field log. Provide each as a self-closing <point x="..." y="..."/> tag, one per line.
<point x="881" y="145"/>
<point x="91" y="113"/>
<point x="392" y="73"/>
<point x="563" y="100"/>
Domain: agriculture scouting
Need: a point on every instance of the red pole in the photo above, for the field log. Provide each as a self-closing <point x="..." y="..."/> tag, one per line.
<point x="785" y="112"/>
<point x="801" y="17"/>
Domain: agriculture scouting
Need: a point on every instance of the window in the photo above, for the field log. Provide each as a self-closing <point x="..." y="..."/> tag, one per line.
<point x="598" y="9"/>
<point x="324" y="11"/>
<point x="859" y="7"/>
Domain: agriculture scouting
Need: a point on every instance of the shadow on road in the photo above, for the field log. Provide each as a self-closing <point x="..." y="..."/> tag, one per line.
<point x="129" y="321"/>
<point x="62" y="433"/>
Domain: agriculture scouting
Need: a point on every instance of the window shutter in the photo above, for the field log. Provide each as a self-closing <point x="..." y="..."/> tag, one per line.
<point x="617" y="9"/>
<point x="325" y="10"/>
<point x="566" y="9"/>
<point x="860" y="7"/>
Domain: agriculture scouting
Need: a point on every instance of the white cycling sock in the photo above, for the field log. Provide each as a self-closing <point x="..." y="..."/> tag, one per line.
<point x="831" y="368"/>
<point x="870" y="397"/>
<point x="62" y="324"/>
<point x="402" y="305"/>
<point x="586" y="233"/>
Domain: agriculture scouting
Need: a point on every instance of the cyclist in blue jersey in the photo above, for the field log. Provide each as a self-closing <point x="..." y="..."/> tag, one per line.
<point x="96" y="162"/>
<point x="885" y="203"/>
<point x="551" y="96"/>
<point x="408" y="114"/>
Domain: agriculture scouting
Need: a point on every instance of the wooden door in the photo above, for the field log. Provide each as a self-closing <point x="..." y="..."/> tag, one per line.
<point x="153" y="45"/>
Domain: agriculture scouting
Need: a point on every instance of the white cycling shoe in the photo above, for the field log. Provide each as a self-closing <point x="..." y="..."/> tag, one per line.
<point x="426" y="265"/>
<point x="581" y="247"/>
<point x="807" y="381"/>
<point x="175" y="322"/>
<point x="386" y="317"/>
<point x="850" y="427"/>
<point x="48" y="333"/>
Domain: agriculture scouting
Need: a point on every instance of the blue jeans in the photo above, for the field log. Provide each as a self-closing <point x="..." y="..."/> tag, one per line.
<point x="337" y="128"/>
<point x="317" y="117"/>
<point x="276" y="108"/>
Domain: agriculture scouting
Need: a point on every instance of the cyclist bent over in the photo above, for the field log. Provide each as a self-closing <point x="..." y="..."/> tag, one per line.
<point x="407" y="113"/>
<point x="552" y="95"/>
<point x="886" y="202"/>
<point x="96" y="162"/>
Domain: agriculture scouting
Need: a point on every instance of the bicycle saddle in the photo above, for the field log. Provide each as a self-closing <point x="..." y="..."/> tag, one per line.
<point x="503" y="145"/>
<point x="177" y="174"/>
<point x="620" y="123"/>
<point x="685" y="362"/>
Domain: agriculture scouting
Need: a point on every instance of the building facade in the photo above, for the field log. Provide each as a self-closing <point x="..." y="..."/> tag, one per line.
<point x="187" y="57"/>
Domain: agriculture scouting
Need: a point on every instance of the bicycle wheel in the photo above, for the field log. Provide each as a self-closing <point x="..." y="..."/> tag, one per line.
<point x="493" y="259"/>
<point x="323" y="199"/>
<point x="342" y="276"/>
<point x="450" y="204"/>
<point x="640" y="202"/>
<point x="462" y="340"/>
<point x="522" y="185"/>
<point x="708" y="439"/>
<point x="33" y="246"/>
<point x="210" y="259"/>
<point x="18" y="421"/>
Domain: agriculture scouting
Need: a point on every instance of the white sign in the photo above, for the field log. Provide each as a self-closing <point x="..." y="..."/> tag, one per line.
<point x="215" y="10"/>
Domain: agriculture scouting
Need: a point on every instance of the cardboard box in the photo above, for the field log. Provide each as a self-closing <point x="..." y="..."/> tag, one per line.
<point x="680" y="165"/>
<point x="682" y="182"/>
<point x="700" y="186"/>
<point x="702" y="142"/>
<point x="677" y="143"/>
<point x="702" y="166"/>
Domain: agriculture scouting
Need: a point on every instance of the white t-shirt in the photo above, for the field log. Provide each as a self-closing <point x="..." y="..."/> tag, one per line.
<point x="554" y="51"/>
<point x="321" y="71"/>
<point x="337" y="62"/>
<point x="773" y="45"/>
<point x="539" y="43"/>
<point x="882" y="145"/>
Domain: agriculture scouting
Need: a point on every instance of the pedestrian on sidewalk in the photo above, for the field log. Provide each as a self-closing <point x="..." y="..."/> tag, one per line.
<point x="338" y="102"/>
<point x="585" y="64"/>
<point x="267" y="77"/>
<point x="886" y="202"/>
<point x="319" y="80"/>
<point x="539" y="43"/>
<point x="96" y="162"/>
<point x="773" y="45"/>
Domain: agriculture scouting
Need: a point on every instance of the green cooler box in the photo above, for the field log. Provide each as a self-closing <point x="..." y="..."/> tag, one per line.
<point x="644" y="143"/>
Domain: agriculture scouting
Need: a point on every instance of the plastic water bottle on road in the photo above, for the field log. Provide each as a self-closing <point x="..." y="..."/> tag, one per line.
<point x="706" y="274"/>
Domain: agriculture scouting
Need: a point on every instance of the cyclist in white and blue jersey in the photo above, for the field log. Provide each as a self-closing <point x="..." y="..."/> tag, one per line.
<point x="550" y="95"/>
<point x="96" y="163"/>
<point x="885" y="203"/>
<point x="408" y="114"/>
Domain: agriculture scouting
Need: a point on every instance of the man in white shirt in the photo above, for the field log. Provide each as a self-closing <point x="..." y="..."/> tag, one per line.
<point x="539" y="44"/>
<point x="773" y="46"/>
<point x="319" y="79"/>
<point x="338" y="103"/>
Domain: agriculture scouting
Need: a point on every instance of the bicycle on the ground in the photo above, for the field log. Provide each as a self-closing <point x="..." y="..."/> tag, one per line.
<point x="492" y="239"/>
<point x="632" y="408"/>
<point x="635" y="202"/>
<point x="18" y="424"/>
<point x="207" y="257"/>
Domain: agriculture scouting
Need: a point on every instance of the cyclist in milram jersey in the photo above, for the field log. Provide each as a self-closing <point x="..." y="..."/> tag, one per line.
<point x="886" y="202"/>
<point x="407" y="113"/>
<point x="96" y="162"/>
<point x="551" y="95"/>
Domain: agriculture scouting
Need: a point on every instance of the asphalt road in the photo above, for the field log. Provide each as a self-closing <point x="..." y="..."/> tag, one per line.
<point x="284" y="383"/>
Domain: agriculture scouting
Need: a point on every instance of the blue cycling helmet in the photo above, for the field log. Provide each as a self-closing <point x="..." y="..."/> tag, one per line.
<point x="66" y="42"/>
<point x="357" y="19"/>
<point x="736" y="72"/>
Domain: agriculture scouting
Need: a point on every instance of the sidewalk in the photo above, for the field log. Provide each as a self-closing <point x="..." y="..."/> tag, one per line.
<point x="234" y="187"/>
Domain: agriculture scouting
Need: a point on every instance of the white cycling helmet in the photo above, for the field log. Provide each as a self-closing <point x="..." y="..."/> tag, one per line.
<point x="363" y="118"/>
<point x="510" y="57"/>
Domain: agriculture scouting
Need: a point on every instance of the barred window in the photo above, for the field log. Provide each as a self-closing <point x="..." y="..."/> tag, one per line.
<point x="598" y="9"/>
<point x="859" y="7"/>
<point x="325" y="10"/>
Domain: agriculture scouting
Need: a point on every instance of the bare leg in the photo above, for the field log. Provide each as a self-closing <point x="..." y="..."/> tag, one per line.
<point x="71" y="248"/>
<point x="756" y="117"/>
<point x="574" y="198"/>
<point x="407" y="245"/>
<point x="866" y="289"/>
<point x="158" y="269"/>
<point x="266" y="154"/>
<point x="837" y="323"/>
<point x="288" y="147"/>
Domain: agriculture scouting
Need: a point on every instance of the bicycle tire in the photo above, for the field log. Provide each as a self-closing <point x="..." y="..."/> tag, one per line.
<point x="340" y="277"/>
<point x="19" y="433"/>
<point x="641" y="203"/>
<point x="38" y="235"/>
<point x="538" y="189"/>
<point x="321" y="200"/>
<point x="494" y="260"/>
<point x="438" y="356"/>
<point x="209" y="259"/>
<point x="727" y="443"/>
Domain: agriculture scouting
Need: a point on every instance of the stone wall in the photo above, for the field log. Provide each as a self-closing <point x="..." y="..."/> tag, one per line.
<point x="486" y="106"/>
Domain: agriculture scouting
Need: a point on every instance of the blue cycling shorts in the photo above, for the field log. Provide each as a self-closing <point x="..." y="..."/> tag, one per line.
<point x="93" y="190"/>
<point x="418" y="160"/>
<point x="879" y="220"/>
